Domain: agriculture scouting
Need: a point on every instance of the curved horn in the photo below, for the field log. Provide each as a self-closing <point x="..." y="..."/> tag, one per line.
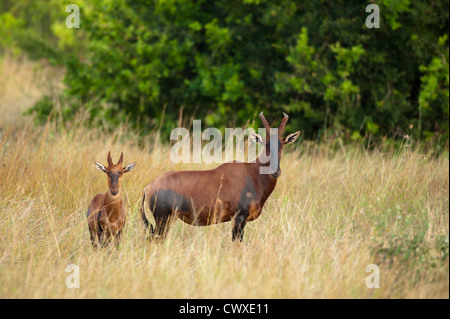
<point x="265" y="123"/>
<point x="120" y="159"/>
<point x="110" y="162"/>
<point x="283" y="125"/>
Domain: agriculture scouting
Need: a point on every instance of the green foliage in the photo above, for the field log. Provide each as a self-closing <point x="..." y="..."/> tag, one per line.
<point x="225" y="61"/>
<point x="399" y="238"/>
<point x="412" y="253"/>
<point x="38" y="29"/>
<point x="44" y="107"/>
<point x="433" y="97"/>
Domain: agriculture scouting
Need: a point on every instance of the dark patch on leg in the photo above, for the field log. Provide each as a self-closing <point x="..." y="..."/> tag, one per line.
<point x="248" y="194"/>
<point x="100" y="232"/>
<point x="164" y="205"/>
<point x="92" y="235"/>
<point x="162" y="226"/>
<point x="238" y="226"/>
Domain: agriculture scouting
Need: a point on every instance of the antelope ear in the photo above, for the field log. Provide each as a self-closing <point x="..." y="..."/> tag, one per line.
<point x="100" y="167"/>
<point x="256" y="138"/>
<point x="291" y="138"/>
<point x="129" y="167"/>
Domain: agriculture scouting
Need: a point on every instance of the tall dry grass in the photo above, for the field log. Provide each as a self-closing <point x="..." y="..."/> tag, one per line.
<point x="329" y="217"/>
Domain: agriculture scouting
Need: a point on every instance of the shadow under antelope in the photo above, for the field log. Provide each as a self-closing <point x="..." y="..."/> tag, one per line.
<point x="106" y="214"/>
<point x="233" y="191"/>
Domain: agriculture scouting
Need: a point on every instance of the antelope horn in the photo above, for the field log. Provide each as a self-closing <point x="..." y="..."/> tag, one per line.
<point x="283" y="125"/>
<point x="110" y="162"/>
<point x="265" y="123"/>
<point x="120" y="159"/>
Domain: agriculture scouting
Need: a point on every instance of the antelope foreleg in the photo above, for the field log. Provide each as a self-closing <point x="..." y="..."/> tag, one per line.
<point x="238" y="226"/>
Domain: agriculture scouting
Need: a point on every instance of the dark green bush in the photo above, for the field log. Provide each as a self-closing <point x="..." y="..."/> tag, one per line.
<point x="225" y="61"/>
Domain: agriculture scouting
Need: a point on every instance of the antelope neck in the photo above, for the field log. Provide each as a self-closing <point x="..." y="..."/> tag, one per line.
<point x="112" y="200"/>
<point x="273" y="175"/>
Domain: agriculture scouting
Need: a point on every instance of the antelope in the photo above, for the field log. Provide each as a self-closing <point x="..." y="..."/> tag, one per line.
<point x="233" y="191"/>
<point x="106" y="214"/>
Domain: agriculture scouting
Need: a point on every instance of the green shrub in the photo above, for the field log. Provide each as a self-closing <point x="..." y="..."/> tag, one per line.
<point x="225" y="61"/>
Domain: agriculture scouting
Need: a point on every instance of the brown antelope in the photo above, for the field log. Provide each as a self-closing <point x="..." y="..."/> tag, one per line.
<point x="106" y="214"/>
<point x="233" y="191"/>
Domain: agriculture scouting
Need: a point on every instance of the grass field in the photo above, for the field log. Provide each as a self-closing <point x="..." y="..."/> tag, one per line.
<point x="331" y="215"/>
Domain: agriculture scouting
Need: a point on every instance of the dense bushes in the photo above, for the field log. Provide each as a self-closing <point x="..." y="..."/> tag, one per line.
<point x="225" y="61"/>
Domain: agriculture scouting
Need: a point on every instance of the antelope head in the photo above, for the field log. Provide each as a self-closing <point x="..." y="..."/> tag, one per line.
<point x="274" y="142"/>
<point x="114" y="172"/>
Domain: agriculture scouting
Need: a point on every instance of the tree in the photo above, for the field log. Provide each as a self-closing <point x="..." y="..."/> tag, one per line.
<point x="225" y="61"/>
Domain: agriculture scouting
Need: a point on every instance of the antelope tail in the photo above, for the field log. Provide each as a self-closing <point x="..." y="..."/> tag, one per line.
<point x="144" y="218"/>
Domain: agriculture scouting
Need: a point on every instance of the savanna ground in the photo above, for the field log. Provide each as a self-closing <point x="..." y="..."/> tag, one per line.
<point x="332" y="214"/>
